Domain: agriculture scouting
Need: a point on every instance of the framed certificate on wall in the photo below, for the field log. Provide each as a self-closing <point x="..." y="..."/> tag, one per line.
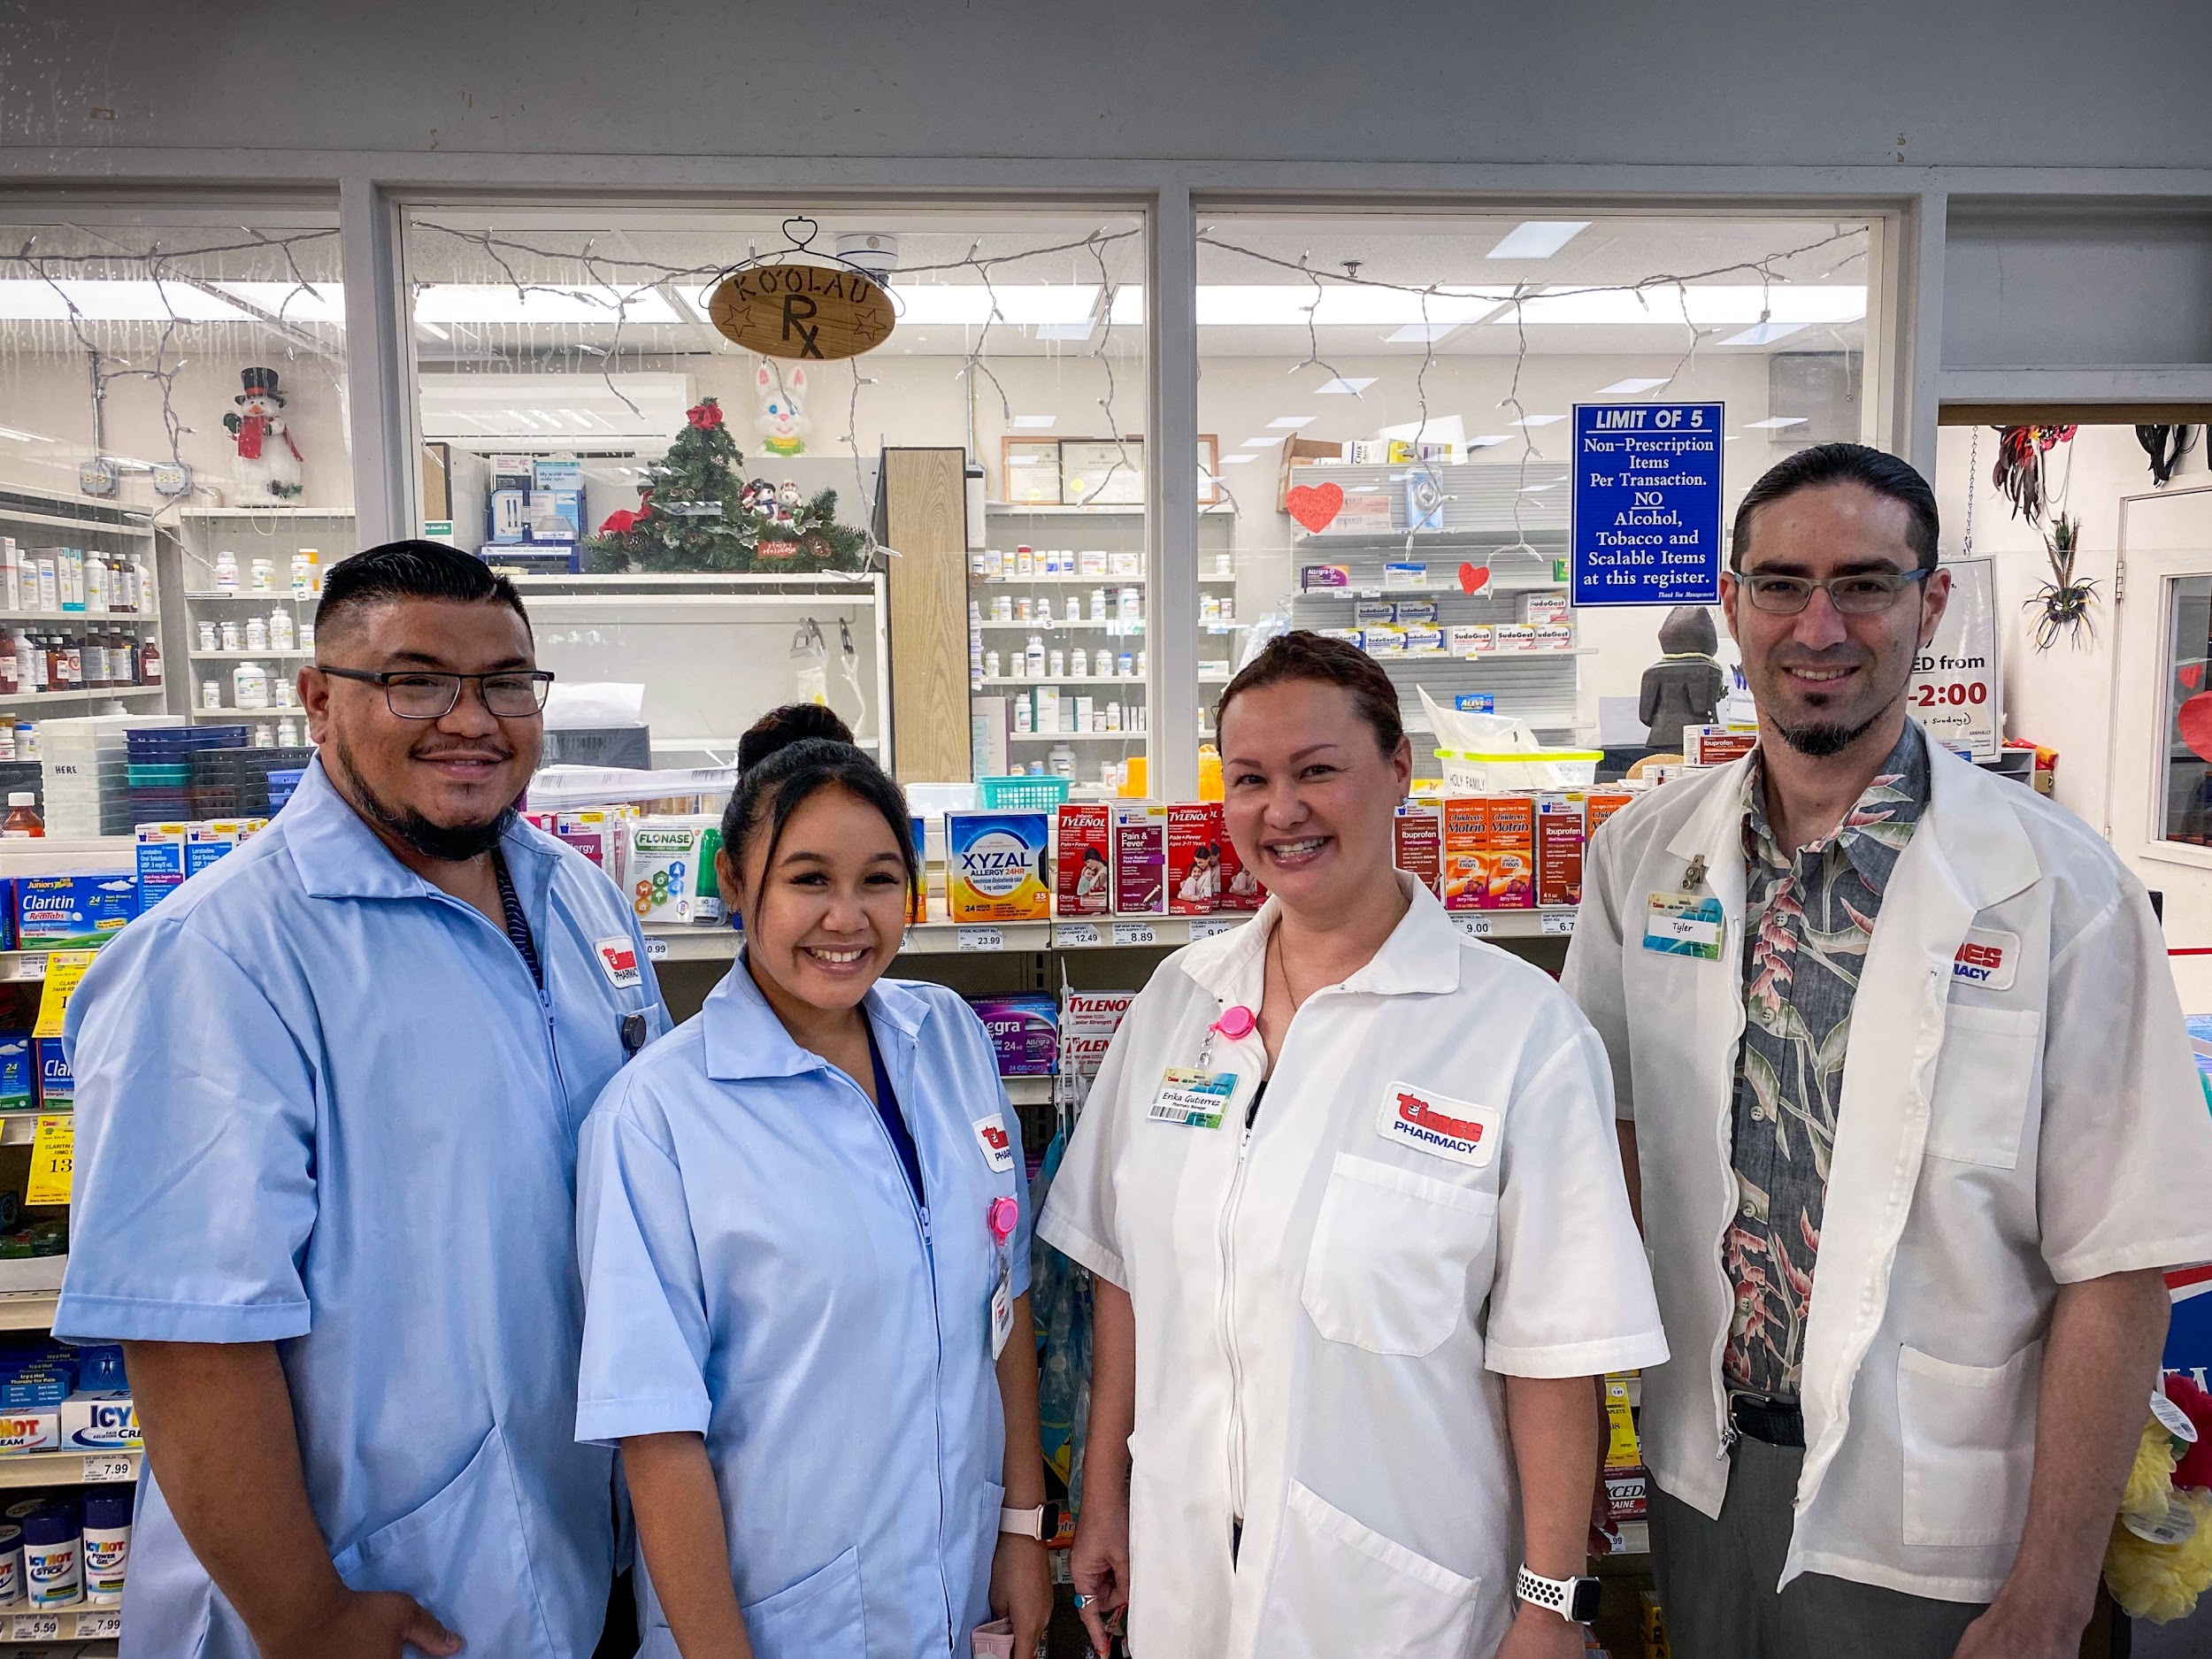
<point x="1029" y="471"/>
<point x="1100" y="473"/>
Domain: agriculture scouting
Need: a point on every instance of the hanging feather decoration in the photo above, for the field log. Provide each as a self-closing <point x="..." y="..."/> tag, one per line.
<point x="2019" y="470"/>
<point x="2165" y="445"/>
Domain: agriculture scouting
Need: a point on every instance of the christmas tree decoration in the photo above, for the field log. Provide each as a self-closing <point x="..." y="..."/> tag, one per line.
<point x="694" y="513"/>
<point x="268" y="460"/>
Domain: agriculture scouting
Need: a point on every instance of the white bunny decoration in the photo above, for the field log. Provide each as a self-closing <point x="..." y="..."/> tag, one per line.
<point x="782" y="427"/>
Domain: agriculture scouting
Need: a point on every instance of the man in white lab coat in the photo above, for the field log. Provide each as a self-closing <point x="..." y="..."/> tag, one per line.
<point x="1902" y="1077"/>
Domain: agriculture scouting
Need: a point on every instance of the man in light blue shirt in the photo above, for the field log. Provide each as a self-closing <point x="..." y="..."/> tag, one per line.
<point x="328" y="1096"/>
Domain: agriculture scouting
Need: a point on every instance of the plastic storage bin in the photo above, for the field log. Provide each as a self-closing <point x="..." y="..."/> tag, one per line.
<point x="1523" y="769"/>
<point x="1022" y="794"/>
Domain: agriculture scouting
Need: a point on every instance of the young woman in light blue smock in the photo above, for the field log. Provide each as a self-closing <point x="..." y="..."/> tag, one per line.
<point x="804" y="1237"/>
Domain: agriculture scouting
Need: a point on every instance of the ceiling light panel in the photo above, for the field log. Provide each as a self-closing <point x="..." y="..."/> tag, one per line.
<point x="1035" y="423"/>
<point x="31" y="299"/>
<point x="1539" y="421"/>
<point x="1538" y="238"/>
<point x="1763" y="333"/>
<point x="1775" y="423"/>
<point x="1293" y="422"/>
<point x="1344" y="387"/>
<point x="1628" y="387"/>
<point x="1705" y="305"/>
<point x="540" y="302"/>
<point x="293" y="302"/>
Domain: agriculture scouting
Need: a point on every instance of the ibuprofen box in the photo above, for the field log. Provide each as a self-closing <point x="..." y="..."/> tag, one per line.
<point x="73" y="912"/>
<point x="1419" y="838"/>
<point x="1559" y="837"/>
<point x="994" y="866"/>
<point x="1140" y="860"/>
<point x="1194" y="857"/>
<point x="1086" y="858"/>
<point x="1025" y="1030"/>
<point x="1715" y="745"/>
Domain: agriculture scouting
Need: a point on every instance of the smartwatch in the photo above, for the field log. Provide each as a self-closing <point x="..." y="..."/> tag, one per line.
<point x="1574" y="1600"/>
<point x="1041" y="1523"/>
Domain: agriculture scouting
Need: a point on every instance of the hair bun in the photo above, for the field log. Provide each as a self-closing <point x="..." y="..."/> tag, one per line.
<point x="780" y="728"/>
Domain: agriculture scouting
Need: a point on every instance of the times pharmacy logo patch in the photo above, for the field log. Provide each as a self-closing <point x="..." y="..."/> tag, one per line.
<point x="1445" y="1128"/>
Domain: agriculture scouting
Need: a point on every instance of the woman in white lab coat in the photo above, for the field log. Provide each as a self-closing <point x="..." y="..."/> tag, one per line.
<point x="1348" y="1186"/>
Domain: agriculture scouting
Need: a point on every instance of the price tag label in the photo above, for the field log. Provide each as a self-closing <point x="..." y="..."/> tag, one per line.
<point x="30" y="967"/>
<point x="1207" y="927"/>
<point x="1075" y="933"/>
<point x="1473" y="926"/>
<point x="107" y="1623"/>
<point x="1135" y="933"/>
<point x="982" y="938"/>
<point x="656" y="951"/>
<point x="34" y="1627"/>
<point x="53" y="1158"/>
<point x="109" y="1466"/>
<point x="1558" y="922"/>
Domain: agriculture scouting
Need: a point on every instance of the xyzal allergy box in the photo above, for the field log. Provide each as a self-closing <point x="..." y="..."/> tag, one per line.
<point x="1085" y="862"/>
<point x="994" y="866"/>
<point x="74" y="912"/>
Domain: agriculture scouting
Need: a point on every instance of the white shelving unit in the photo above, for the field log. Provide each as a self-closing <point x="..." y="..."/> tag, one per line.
<point x="37" y="519"/>
<point x="274" y="534"/>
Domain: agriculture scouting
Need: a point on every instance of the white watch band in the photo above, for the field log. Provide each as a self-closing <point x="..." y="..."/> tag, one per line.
<point x="1553" y="1595"/>
<point x="1023" y="1523"/>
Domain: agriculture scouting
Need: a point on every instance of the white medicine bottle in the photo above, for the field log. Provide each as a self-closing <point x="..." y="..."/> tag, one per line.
<point x="249" y="686"/>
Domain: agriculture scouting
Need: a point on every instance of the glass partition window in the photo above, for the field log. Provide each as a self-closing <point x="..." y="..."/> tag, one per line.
<point x="1392" y="396"/>
<point x="173" y="407"/>
<point x="2184" y="783"/>
<point x="706" y="532"/>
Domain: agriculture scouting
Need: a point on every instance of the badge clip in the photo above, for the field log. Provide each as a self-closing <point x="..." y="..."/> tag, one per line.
<point x="1694" y="877"/>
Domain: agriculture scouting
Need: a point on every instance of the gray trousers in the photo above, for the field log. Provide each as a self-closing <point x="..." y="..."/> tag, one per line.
<point x="1716" y="1581"/>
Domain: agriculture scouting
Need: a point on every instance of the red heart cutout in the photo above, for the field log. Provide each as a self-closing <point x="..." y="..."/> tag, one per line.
<point x="1316" y="505"/>
<point x="1471" y="578"/>
<point x="2191" y="675"/>
<point x="2194" y="717"/>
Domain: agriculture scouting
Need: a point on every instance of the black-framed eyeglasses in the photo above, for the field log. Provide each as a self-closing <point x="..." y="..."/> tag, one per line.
<point x="1864" y="595"/>
<point x="509" y="693"/>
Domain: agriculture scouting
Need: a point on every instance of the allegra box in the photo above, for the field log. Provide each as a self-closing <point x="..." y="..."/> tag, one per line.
<point x="994" y="866"/>
<point x="72" y="912"/>
<point x="1559" y="837"/>
<point x="1417" y="836"/>
<point x="1194" y="857"/>
<point x="1140" y="860"/>
<point x="1025" y="1030"/>
<point x="1085" y="861"/>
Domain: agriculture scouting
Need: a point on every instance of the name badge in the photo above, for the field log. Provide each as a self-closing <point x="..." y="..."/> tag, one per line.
<point x="1002" y="1303"/>
<point x="1193" y="1098"/>
<point x="1988" y="960"/>
<point x="1683" y="925"/>
<point x="998" y="1146"/>
<point x="618" y="960"/>
<point x="1428" y="1122"/>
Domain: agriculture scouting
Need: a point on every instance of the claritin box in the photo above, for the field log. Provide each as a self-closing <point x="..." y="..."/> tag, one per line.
<point x="74" y="912"/>
<point x="994" y="866"/>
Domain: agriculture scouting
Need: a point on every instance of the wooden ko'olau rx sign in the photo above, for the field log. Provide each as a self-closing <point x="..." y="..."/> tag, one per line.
<point x="802" y="310"/>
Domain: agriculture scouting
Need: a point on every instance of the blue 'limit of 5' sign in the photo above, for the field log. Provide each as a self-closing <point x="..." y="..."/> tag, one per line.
<point x="1647" y="504"/>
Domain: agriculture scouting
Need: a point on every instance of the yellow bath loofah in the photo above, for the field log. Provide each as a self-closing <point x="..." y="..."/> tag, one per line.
<point x="2151" y="1478"/>
<point x="2162" y="1582"/>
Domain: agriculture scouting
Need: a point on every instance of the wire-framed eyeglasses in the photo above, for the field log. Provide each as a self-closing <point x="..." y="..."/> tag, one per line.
<point x="1862" y="594"/>
<point x="509" y="693"/>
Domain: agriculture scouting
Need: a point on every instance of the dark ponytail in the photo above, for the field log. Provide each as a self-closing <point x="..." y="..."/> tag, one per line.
<point x="788" y="755"/>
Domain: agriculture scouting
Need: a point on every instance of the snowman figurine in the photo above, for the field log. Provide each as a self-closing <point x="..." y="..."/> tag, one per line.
<point x="268" y="460"/>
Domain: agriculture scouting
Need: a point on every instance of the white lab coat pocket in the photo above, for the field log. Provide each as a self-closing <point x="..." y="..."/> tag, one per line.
<point x="1391" y="1256"/>
<point x="460" y="1553"/>
<point x="1339" y="1588"/>
<point x="818" y="1617"/>
<point x="1982" y="1081"/>
<point x="1969" y="1434"/>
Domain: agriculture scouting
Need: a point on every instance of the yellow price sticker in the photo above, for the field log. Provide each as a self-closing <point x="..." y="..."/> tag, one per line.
<point x="53" y="1160"/>
<point x="64" y="969"/>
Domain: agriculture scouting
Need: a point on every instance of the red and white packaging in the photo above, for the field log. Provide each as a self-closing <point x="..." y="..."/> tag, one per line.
<point x="1241" y="890"/>
<point x="1140" y="860"/>
<point x="1559" y="838"/>
<point x="1194" y="857"/>
<point x="1086" y="858"/>
<point x="1089" y="1020"/>
<point x="1419" y="845"/>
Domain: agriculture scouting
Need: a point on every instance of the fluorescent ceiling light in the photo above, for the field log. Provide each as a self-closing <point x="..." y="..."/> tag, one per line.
<point x="1628" y="387"/>
<point x="1263" y="443"/>
<point x="1539" y="421"/>
<point x="1538" y="238"/>
<point x="1283" y="304"/>
<point x="1763" y="333"/>
<point x="1706" y="305"/>
<point x="25" y="437"/>
<point x="1035" y="423"/>
<point x="1487" y="439"/>
<point x="1238" y="460"/>
<point x="1347" y="387"/>
<point x="1128" y="307"/>
<point x="1292" y="421"/>
<point x="1066" y="331"/>
<point x="540" y="302"/>
<point x="969" y="305"/>
<point x="434" y="331"/>
<point x="1421" y="334"/>
<point x="1775" y="423"/>
<point x="294" y="302"/>
<point x="31" y="299"/>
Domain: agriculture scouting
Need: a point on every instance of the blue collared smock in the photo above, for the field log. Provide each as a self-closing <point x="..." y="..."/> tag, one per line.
<point x="322" y="1105"/>
<point x="757" y="1271"/>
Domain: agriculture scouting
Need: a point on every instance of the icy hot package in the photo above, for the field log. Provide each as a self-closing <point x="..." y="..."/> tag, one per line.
<point x="994" y="866"/>
<point x="71" y="912"/>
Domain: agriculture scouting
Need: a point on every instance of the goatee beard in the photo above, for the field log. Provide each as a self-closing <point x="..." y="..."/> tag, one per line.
<point x="1820" y="741"/>
<point x="449" y="843"/>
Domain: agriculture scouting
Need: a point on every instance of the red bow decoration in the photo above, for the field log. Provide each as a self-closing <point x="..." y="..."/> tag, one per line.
<point x="706" y="416"/>
<point x="623" y="522"/>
